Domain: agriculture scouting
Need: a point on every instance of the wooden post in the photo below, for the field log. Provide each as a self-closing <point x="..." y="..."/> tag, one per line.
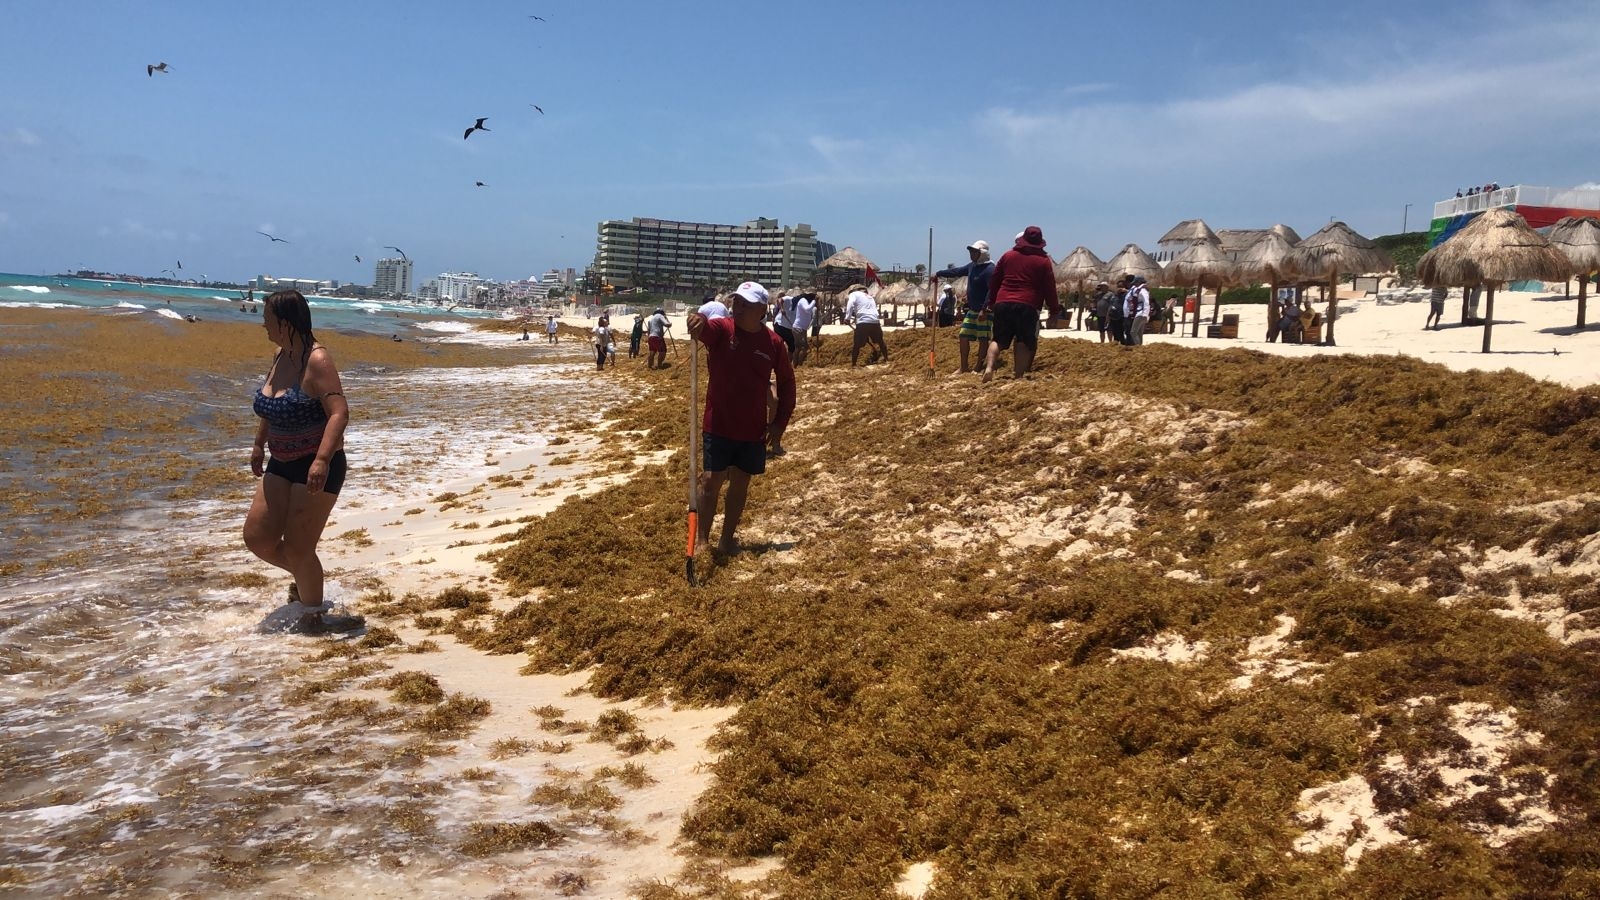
<point x="1488" y="318"/>
<point x="1216" y="307"/>
<point x="1195" y="328"/>
<point x="1272" y="312"/>
<point x="1583" y="298"/>
<point x="1333" y="307"/>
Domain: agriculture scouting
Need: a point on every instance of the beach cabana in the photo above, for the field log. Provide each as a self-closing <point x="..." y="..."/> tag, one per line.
<point x="1492" y="249"/>
<point x="1578" y="239"/>
<point x="1334" y="250"/>
<point x="1267" y="260"/>
<point x="1203" y="264"/>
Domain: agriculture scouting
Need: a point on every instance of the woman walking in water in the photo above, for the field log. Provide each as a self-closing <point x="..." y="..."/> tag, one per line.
<point x="303" y="416"/>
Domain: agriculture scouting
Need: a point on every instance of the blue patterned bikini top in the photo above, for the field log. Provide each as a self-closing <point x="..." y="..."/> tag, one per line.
<point x="295" y="421"/>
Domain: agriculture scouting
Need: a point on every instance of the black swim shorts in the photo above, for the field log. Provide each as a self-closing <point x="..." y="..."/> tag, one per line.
<point x="1015" y="321"/>
<point x="721" y="452"/>
<point x="295" y="471"/>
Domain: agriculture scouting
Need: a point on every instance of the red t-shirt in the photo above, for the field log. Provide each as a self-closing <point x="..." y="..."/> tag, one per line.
<point x="741" y="365"/>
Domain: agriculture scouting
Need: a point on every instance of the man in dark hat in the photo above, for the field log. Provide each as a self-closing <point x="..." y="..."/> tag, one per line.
<point x="1023" y="284"/>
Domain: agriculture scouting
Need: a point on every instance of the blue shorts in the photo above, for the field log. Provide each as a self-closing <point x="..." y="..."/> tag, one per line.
<point x="721" y="452"/>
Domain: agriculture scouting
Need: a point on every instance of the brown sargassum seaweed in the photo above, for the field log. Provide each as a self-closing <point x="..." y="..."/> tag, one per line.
<point x="921" y="635"/>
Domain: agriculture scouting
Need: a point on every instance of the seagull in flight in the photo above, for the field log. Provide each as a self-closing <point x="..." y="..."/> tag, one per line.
<point x="480" y="184"/>
<point x="538" y="107"/>
<point x="540" y="18"/>
<point x="399" y="251"/>
<point x="180" y="263"/>
<point x="476" y="126"/>
<point x="358" y="259"/>
<point x="272" y="237"/>
<point x="150" y="71"/>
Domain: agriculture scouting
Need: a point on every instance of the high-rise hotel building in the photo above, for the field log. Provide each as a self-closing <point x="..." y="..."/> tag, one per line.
<point x="667" y="256"/>
<point x="392" y="278"/>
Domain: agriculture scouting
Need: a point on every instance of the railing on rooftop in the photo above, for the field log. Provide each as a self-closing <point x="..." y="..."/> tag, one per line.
<point x="1519" y="195"/>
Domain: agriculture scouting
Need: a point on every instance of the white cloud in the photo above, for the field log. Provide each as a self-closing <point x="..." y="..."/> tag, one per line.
<point x="19" y="137"/>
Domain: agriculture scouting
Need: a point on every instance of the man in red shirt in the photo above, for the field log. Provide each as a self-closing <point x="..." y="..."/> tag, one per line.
<point x="742" y="356"/>
<point x="1022" y="284"/>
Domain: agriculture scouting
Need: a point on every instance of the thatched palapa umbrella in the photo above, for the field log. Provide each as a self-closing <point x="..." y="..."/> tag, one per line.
<point x="1496" y="247"/>
<point x="1133" y="261"/>
<point x="1578" y="239"/>
<point x="1079" y="269"/>
<point x="1075" y="272"/>
<point x="1267" y="260"/>
<point x="1204" y="264"/>
<point x="1334" y="250"/>
<point x="848" y="258"/>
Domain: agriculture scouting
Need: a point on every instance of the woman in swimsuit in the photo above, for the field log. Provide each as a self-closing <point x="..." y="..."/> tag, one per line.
<point x="303" y="415"/>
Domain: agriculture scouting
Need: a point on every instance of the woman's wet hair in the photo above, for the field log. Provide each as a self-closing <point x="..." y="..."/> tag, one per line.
<point x="292" y="309"/>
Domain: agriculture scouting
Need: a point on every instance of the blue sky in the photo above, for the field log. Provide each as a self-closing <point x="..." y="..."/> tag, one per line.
<point x="337" y="125"/>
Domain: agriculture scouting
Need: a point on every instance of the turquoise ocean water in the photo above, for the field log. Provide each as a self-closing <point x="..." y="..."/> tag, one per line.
<point x="329" y="313"/>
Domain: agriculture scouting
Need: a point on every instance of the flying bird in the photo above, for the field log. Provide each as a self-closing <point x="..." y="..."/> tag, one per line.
<point x="540" y="18"/>
<point x="180" y="263"/>
<point x="476" y="126"/>
<point x="358" y="259"/>
<point x="152" y="70"/>
<point x="480" y="184"/>
<point x="538" y="107"/>
<point x="273" y="237"/>
<point x="399" y="251"/>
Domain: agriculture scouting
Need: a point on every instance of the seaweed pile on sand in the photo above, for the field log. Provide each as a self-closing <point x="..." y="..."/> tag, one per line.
<point x="1166" y="619"/>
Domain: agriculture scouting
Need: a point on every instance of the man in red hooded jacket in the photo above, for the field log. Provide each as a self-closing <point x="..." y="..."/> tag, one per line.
<point x="1023" y="283"/>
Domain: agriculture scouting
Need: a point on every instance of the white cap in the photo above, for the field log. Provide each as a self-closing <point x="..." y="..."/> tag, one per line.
<point x="980" y="246"/>
<point x="752" y="292"/>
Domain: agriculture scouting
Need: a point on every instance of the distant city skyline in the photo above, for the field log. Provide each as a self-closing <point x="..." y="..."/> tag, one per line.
<point x="1101" y="124"/>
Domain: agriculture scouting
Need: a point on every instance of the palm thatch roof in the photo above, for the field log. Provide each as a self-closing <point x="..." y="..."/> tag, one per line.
<point x="1267" y="259"/>
<point x="1578" y="238"/>
<point x="1203" y="263"/>
<point x="1133" y="261"/>
<point x="1337" y="249"/>
<point x="1239" y="241"/>
<point x="1078" y="268"/>
<point x="1496" y="247"/>
<point x="848" y="258"/>
<point x="1188" y="231"/>
<point x="910" y="292"/>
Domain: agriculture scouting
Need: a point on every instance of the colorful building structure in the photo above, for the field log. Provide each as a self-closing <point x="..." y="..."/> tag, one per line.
<point x="1540" y="206"/>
